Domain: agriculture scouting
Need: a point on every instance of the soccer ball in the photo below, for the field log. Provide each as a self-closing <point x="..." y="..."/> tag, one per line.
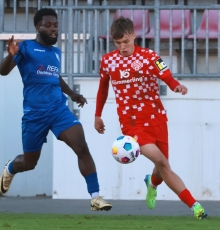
<point x="125" y="149"/>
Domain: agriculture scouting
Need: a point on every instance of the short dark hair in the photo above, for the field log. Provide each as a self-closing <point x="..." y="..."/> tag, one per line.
<point x="120" y="27"/>
<point x="43" y="12"/>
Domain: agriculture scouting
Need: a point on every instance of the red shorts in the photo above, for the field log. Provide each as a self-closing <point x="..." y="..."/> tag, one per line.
<point x="157" y="134"/>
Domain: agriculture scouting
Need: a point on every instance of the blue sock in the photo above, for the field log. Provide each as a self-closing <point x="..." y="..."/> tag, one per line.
<point x="92" y="183"/>
<point x="10" y="168"/>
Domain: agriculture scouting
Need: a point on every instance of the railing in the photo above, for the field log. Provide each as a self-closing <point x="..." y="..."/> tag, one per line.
<point x="184" y="47"/>
<point x="183" y="52"/>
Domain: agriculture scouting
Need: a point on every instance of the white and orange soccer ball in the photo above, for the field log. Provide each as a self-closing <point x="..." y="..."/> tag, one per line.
<point x="125" y="149"/>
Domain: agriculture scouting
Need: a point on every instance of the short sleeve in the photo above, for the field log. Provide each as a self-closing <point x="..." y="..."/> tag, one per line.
<point x="22" y="52"/>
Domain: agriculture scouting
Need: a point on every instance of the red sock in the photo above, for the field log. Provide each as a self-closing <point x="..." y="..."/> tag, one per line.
<point x="186" y="197"/>
<point x="155" y="181"/>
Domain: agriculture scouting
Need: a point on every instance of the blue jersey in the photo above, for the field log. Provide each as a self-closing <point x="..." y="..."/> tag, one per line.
<point x="39" y="67"/>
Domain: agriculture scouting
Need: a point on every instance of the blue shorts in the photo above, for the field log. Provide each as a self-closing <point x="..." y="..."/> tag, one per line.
<point x="36" y="126"/>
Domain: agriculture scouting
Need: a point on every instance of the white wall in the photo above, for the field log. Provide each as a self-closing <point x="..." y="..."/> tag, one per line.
<point x="194" y="137"/>
<point x="194" y="146"/>
<point x="194" y="150"/>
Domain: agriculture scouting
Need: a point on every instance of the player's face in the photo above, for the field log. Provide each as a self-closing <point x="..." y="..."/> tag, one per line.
<point x="48" y="30"/>
<point x="126" y="44"/>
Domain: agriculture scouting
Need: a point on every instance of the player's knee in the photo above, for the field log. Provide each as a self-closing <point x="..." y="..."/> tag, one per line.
<point x="162" y="163"/>
<point x="30" y="165"/>
<point x="81" y="149"/>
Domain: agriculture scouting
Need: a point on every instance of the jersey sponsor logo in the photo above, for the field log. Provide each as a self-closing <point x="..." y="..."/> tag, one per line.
<point x="137" y="65"/>
<point x="160" y="64"/>
<point x="52" y="68"/>
<point x="49" y="71"/>
<point x="39" y="50"/>
<point x="127" y="81"/>
<point x="124" y="73"/>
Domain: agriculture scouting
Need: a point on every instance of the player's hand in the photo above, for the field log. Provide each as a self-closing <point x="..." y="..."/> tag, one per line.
<point x="12" y="46"/>
<point x="181" y="89"/>
<point x="79" y="99"/>
<point x="99" y="125"/>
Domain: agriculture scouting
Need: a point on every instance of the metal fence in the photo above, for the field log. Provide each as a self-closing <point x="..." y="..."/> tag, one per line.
<point x="85" y="35"/>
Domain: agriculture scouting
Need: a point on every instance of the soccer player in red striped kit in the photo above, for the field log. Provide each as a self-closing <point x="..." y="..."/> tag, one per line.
<point x="134" y="72"/>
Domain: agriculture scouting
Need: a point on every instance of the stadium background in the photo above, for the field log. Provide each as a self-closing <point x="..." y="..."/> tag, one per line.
<point x="193" y="119"/>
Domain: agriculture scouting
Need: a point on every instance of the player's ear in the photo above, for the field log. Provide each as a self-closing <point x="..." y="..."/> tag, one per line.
<point x="134" y="35"/>
<point x="37" y="28"/>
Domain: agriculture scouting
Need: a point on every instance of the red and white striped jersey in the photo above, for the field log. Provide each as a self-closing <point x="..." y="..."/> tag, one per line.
<point x="134" y="81"/>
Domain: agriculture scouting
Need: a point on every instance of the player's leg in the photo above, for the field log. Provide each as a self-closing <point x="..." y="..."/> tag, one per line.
<point x="67" y="128"/>
<point x="146" y="136"/>
<point x="160" y="133"/>
<point x="152" y="181"/>
<point x="21" y="163"/>
<point x="24" y="162"/>
<point x="152" y="152"/>
<point x="75" y="139"/>
<point x="173" y="181"/>
<point x="185" y="195"/>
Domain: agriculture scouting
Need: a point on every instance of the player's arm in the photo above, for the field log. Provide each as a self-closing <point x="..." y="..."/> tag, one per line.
<point x="101" y="98"/>
<point x="7" y="64"/>
<point x="78" y="98"/>
<point x="174" y="85"/>
<point x="163" y="73"/>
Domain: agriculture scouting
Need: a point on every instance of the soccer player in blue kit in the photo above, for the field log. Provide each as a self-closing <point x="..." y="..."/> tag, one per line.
<point x="45" y="106"/>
